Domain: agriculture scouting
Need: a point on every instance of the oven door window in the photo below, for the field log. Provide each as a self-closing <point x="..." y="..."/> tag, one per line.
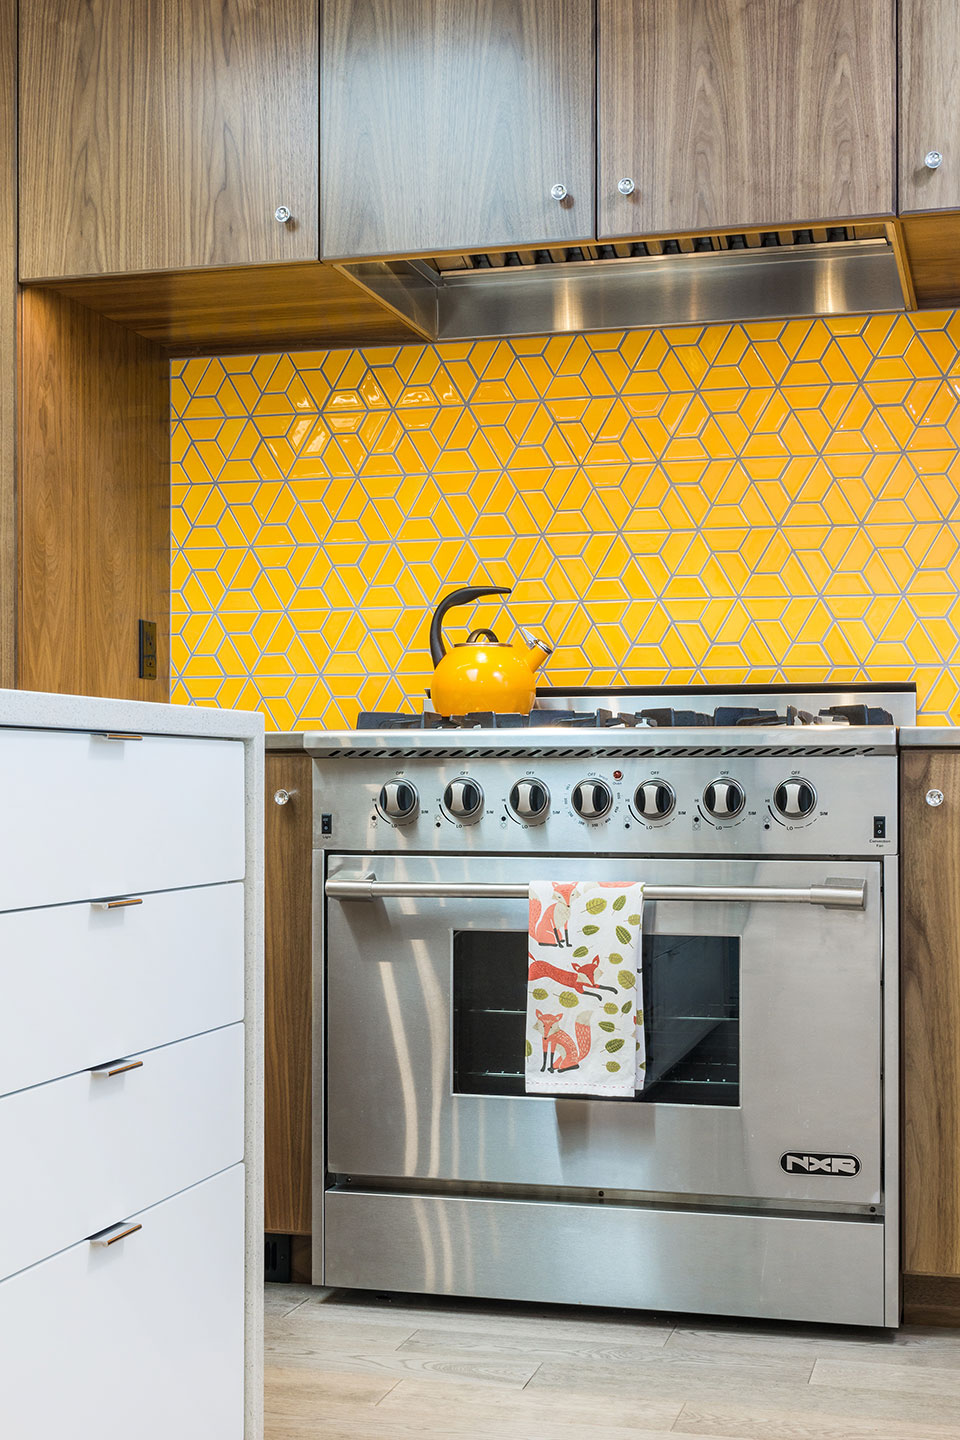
<point x="691" y="1005"/>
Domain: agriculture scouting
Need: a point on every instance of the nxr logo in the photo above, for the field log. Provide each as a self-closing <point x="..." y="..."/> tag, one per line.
<point x="801" y="1163"/>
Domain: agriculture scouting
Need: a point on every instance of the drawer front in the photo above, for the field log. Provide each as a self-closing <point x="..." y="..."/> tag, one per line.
<point x="82" y="985"/>
<point x="84" y="1152"/>
<point x="84" y="815"/>
<point x="140" y="1338"/>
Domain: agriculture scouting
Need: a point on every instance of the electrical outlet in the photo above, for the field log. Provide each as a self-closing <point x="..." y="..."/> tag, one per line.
<point x="148" y="649"/>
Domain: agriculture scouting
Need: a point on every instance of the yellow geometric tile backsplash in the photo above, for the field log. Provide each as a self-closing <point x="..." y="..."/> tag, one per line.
<point x="769" y="502"/>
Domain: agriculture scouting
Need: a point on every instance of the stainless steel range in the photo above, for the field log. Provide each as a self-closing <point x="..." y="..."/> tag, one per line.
<point x="756" y="1174"/>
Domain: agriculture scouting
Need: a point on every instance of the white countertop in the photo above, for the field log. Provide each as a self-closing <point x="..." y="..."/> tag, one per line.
<point x="929" y="737"/>
<point x="38" y="710"/>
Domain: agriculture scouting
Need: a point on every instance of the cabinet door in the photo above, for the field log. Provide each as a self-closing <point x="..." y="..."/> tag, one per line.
<point x="163" y="135"/>
<point x="730" y="113"/>
<point x="930" y="946"/>
<point x="446" y="124"/>
<point x="288" y="994"/>
<point x="929" y="103"/>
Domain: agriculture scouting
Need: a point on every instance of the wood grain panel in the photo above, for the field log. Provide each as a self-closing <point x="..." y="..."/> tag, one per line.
<point x="930" y="951"/>
<point x="932" y="244"/>
<point x="445" y="123"/>
<point x="288" y="990"/>
<point x="931" y="1300"/>
<point x="245" y="308"/>
<point x="8" y="370"/>
<point x="94" y="493"/>
<point x="729" y="113"/>
<point x="164" y="134"/>
<point x="929" y="57"/>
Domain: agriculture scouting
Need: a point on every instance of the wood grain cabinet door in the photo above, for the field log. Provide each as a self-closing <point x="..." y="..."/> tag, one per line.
<point x="730" y="113"/>
<point x="929" y="104"/>
<point x="446" y="125"/>
<point x="930" y="951"/>
<point x="164" y="134"/>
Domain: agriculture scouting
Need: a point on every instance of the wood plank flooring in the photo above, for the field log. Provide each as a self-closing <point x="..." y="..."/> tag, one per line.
<point x="349" y="1365"/>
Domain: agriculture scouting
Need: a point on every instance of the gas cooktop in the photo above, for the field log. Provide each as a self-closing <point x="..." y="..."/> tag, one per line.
<point x="685" y="708"/>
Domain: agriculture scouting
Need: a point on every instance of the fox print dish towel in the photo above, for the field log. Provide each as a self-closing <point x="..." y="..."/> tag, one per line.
<point x="584" y="989"/>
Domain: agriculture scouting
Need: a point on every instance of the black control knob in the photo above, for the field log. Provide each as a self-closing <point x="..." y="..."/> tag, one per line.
<point x="463" y="799"/>
<point x="591" y="799"/>
<point x="654" y="799"/>
<point x="530" y="801"/>
<point x="795" y="799"/>
<point x="723" y="799"/>
<point x="399" y="801"/>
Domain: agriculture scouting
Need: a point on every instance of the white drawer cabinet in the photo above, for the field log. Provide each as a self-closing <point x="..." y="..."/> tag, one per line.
<point x="141" y="1339"/>
<point x="84" y="815"/>
<point x="94" y="1147"/>
<point x="81" y="984"/>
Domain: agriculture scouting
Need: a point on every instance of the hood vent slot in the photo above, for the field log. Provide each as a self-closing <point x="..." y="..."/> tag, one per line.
<point x="681" y="280"/>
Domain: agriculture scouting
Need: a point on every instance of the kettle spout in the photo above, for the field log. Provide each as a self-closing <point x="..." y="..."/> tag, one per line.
<point x="533" y="650"/>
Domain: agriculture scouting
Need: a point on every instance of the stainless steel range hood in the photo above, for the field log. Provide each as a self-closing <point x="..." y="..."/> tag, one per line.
<point x="556" y="292"/>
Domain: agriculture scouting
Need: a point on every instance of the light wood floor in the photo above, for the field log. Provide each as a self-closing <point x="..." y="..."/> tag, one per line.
<point x="344" y="1365"/>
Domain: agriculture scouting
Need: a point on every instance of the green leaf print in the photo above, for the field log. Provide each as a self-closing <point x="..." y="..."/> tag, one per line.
<point x="639" y="1017"/>
<point x="612" y="1065"/>
<point x="580" y="951"/>
<point x="623" y="935"/>
<point x="596" y="905"/>
<point x="614" y="1045"/>
<point x="627" y="979"/>
<point x="568" y="999"/>
<point x="626" y="1008"/>
<point x="539" y="994"/>
<point x="606" y="1025"/>
<point x="614" y="958"/>
<point x="590" y="929"/>
<point x="620" y="901"/>
<point x="527" y="1049"/>
<point x="610" y="1008"/>
<point x="634" y="919"/>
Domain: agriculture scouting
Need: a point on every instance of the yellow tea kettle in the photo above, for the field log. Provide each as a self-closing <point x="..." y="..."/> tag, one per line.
<point x="485" y="673"/>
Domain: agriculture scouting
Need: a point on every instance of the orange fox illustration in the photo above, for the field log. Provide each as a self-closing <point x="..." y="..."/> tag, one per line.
<point x="548" y="923"/>
<point x="582" y="978"/>
<point x="554" y="1038"/>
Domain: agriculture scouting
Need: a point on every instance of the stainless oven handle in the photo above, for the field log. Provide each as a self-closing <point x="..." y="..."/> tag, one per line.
<point x="844" y="894"/>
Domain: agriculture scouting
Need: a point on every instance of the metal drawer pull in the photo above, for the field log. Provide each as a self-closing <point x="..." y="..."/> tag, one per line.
<point x="119" y="1068"/>
<point x="113" y="904"/>
<point x="115" y="1233"/>
<point x="846" y="894"/>
<point x="118" y="735"/>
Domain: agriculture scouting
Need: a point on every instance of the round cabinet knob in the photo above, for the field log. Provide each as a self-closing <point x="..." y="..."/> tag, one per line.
<point x="282" y="214"/>
<point x="463" y="799"/>
<point x="530" y="801"/>
<point x="724" y="798"/>
<point x="399" y="801"/>
<point x="933" y="159"/>
<point x="591" y="799"/>
<point x="626" y="186"/>
<point x="558" y="192"/>
<point x="934" y="798"/>
<point x="795" y="799"/>
<point x="283" y="797"/>
<point x="654" y="800"/>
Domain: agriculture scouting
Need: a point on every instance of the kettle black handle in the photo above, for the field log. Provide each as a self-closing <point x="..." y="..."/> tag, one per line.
<point x="476" y="636"/>
<point x="456" y="597"/>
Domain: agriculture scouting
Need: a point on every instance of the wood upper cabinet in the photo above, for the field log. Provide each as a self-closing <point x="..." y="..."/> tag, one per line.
<point x="730" y="113"/>
<point x="164" y="134"/>
<point x="930" y="949"/>
<point x="929" y="104"/>
<point x="446" y="125"/>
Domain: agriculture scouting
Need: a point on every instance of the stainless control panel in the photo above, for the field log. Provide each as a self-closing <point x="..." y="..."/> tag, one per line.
<point x="842" y="805"/>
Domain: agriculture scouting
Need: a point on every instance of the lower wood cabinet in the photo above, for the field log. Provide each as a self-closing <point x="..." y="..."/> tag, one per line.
<point x="930" y="947"/>
<point x="144" y="1335"/>
<point x="288" y="991"/>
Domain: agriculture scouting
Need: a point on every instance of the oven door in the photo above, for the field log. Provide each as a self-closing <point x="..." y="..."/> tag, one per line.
<point x="764" y="1030"/>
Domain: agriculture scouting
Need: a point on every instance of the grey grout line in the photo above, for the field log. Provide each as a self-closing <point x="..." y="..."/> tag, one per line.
<point x="389" y="1392"/>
